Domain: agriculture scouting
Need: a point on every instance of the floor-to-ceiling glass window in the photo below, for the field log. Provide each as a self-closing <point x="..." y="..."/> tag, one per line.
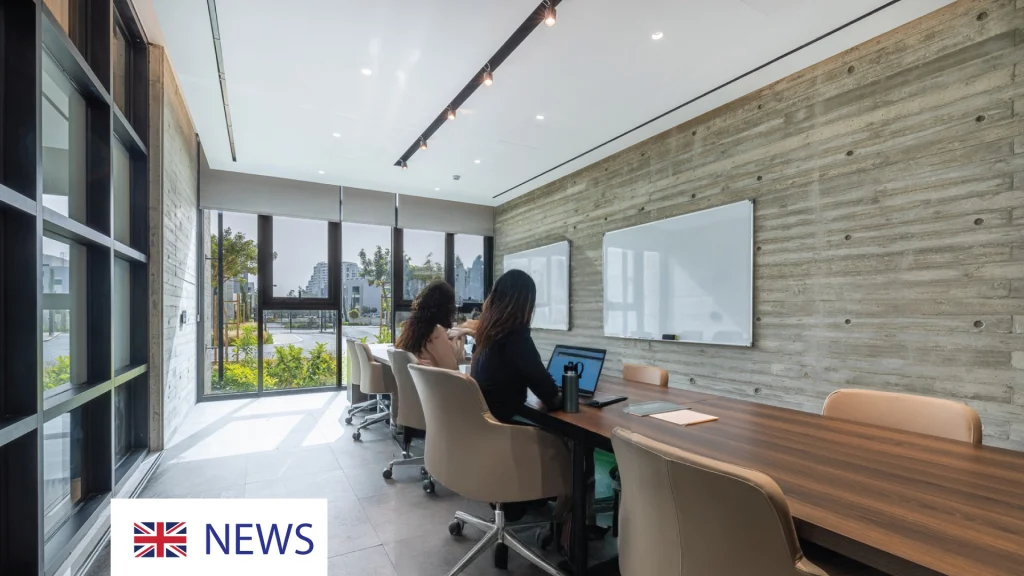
<point x="234" y="296"/>
<point x="365" y="285"/>
<point x="74" y="236"/>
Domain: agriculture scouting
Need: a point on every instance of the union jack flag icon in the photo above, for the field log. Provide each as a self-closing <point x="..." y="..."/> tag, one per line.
<point x="160" y="540"/>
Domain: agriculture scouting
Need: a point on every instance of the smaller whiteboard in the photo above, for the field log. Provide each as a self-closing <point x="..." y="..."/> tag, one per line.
<point x="549" y="268"/>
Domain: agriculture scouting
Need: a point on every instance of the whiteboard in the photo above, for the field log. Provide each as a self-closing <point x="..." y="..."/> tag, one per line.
<point x="691" y="276"/>
<point x="549" y="268"/>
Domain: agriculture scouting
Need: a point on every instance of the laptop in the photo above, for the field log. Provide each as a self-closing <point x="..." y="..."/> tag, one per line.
<point x="592" y="362"/>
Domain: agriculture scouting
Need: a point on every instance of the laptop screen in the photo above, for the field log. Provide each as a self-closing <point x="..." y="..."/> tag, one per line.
<point x="591" y="360"/>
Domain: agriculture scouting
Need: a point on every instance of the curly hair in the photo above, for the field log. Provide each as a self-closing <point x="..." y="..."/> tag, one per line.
<point x="435" y="306"/>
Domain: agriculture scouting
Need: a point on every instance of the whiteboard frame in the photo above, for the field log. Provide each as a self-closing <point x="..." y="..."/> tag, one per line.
<point x="678" y="341"/>
<point x="568" y="281"/>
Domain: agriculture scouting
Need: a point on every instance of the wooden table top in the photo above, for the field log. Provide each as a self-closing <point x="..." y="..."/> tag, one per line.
<point x="898" y="500"/>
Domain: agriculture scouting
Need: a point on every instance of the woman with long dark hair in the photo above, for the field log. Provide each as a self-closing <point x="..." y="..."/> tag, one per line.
<point x="505" y="361"/>
<point x="425" y="333"/>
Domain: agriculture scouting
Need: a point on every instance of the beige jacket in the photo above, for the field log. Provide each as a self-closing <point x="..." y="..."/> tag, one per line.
<point x="442" y="352"/>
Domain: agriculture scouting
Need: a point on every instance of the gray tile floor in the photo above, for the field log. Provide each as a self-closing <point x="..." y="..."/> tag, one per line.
<point x="298" y="446"/>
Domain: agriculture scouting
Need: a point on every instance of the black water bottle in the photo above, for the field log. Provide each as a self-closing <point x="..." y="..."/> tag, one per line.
<point x="570" y="388"/>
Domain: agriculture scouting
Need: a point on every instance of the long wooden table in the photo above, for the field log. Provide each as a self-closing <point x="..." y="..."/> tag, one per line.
<point x="902" y="502"/>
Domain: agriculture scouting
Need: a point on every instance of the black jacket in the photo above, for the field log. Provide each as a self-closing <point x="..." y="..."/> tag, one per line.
<point x="507" y="368"/>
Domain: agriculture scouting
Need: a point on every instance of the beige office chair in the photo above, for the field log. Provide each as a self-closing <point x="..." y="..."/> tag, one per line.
<point x="473" y="454"/>
<point x="410" y="414"/>
<point x="373" y="380"/>
<point x="645" y="374"/>
<point x="922" y="414"/>
<point x="686" y="514"/>
<point x="353" y="362"/>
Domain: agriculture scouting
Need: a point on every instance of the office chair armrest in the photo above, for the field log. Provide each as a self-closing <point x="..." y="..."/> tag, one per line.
<point x="539" y="461"/>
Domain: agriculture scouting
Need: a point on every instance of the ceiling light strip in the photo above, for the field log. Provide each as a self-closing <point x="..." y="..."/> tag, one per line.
<point x="708" y="93"/>
<point x="529" y="25"/>
<point x="215" y="29"/>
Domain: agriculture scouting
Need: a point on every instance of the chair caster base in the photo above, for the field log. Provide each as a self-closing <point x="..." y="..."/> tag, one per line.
<point x="545" y="537"/>
<point x="387" y="474"/>
<point x="428" y="487"/>
<point x="348" y="420"/>
<point x="455" y="527"/>
<point x="356" y="435"/>
<point x="501" y="556"/>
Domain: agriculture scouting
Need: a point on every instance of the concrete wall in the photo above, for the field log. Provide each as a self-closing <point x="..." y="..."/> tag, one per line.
<point x="889" y="222"/>
<point x="174" y="227"/>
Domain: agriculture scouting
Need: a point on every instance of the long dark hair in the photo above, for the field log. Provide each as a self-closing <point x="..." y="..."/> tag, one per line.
<point x="434" y="306"/>
<point x="509" y="306"/>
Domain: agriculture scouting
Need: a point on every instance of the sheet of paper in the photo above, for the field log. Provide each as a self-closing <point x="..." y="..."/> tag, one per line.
<point x="684" y="417"/>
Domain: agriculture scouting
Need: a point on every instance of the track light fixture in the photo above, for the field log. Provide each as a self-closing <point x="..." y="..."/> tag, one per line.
<point x="404" y="165"/>
<point x="488" y="78"/>
<point x="451" y="113"/>
<point x="423" y="143"/>
<point x="549" y="13"/>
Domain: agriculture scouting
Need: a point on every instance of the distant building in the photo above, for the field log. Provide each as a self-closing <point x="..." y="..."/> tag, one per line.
<point x="469" y="283"/>
<point x="356" y="292"/>
<point x="317" y="285"/>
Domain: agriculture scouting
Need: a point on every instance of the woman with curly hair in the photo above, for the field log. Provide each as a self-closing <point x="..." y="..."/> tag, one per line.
<point x="425" y="333"/>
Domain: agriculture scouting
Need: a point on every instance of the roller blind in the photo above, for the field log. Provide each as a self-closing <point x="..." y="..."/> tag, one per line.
<point x="237" y="192"/>
<point x="418" y="213"/>
<point x="367" y="206"/>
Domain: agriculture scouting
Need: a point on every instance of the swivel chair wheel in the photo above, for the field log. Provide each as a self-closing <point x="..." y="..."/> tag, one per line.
<point x="348" y="420"/>
<point x="423" y="471"/>
<point x="455" y="527"/>
<point x="428" y="487"/>
<point x="501" y="556"/>
<point x="545" y="537"/>
<point x="357" y="435"/>
<point x="387" y="474"/>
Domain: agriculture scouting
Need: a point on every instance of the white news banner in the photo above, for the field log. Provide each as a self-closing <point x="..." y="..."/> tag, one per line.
<point x="199" y="537"/>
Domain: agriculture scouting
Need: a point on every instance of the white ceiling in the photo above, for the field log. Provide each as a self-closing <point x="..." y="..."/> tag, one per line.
<point x="294" y="79"/>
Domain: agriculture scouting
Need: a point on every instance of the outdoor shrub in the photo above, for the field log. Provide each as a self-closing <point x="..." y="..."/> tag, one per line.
<point x="287" y="366"/>
<point x="240" y="378"/>
<point x="58" y="373"/>
<point x="321" y="366"/>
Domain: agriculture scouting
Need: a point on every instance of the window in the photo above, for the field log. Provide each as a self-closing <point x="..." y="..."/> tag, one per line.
<point x="469" y="269"/>
<point x="233" y="319"/>
<point x="121" y="53"/>
<point x="366" y="282"/>
<point x="304" y="350"/>
<point x="64" y="141"/>
<point x="122" y="317"/>
<point x="62" y="469"/>
<point x="122" y="178"/>
<point x="300" y="263"/>
<point x="64" y="307"/>
<point x="423" y="260"/>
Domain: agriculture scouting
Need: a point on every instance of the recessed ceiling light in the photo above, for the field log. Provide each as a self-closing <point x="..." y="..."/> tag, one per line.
<point x="336" y="134"/>
<point x="657" y="35"/>
<point x="437" y="189"/>
<point x="320" y="171"/>
<point x="540" y="116"/>
<point x="366" y="71"/>
<point x="476" y="161"/>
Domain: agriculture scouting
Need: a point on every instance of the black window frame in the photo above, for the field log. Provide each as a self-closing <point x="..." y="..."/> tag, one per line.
<point x="82" y="51"/>
<point x="402" y="303"/>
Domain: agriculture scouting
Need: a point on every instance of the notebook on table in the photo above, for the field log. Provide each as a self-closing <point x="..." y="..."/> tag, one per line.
<point x="685" y="417"/>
